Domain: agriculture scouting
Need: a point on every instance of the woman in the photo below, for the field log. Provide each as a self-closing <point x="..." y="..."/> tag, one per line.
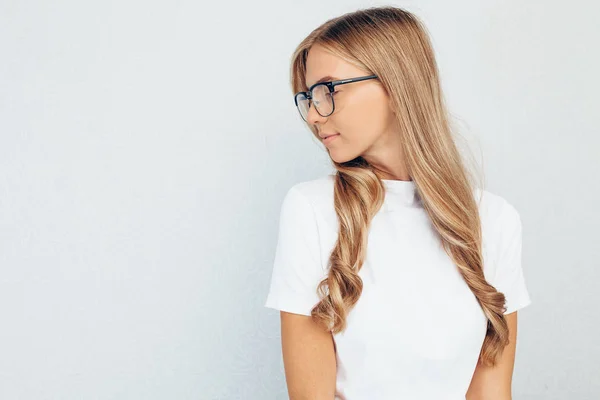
<point x="396" y="277"/>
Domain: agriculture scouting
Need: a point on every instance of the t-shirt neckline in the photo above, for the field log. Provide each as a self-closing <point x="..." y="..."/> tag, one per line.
<point x="400" y="193"/>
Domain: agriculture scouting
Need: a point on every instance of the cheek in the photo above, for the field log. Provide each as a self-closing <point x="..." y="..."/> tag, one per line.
<point x="362" y="120"/>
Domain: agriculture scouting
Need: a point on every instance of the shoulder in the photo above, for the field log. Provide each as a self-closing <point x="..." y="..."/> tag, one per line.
<point x="502" y="249"/>
<point x="501" y="233"/>
<point x="313" y="200"/>
<point x="316" y="191"/>
<point x="497" y="214"/>
<point x="315" y="195"/>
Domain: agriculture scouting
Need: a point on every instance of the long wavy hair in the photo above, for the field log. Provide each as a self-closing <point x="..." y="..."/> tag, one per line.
<point x="394" y="44"/>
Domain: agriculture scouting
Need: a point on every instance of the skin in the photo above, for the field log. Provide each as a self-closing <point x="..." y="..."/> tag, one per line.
<point x="495" y="383"/>
<point x="365" y="120"/>
<point x="308" y="358"/>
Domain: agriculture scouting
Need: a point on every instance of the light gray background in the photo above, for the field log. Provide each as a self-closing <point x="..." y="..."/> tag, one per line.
<point x="145" y="148"/>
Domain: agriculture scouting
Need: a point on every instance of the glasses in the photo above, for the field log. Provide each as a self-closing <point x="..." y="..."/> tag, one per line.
<point x="321" y="95"/>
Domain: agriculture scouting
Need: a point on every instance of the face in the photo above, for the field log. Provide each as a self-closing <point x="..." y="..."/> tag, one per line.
<point x="363" y="117"/>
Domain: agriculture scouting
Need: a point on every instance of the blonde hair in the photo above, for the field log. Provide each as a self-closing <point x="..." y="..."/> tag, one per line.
<point x="393" y="44"/>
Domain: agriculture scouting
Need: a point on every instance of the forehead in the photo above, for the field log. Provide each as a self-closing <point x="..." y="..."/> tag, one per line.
<point x="321" y="63"/>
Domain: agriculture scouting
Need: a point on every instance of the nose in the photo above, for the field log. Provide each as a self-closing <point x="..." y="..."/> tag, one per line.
<point x="313" y="117"/>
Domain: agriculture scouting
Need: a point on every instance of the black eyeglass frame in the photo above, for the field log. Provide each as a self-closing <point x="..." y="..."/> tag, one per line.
<point x="330" y="85"/>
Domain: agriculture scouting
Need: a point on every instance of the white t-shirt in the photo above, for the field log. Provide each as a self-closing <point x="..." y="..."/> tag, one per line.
<point x="417" y="329"/>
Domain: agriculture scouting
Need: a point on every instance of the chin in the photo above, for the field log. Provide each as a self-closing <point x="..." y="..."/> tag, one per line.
<point x="341" y="157"/>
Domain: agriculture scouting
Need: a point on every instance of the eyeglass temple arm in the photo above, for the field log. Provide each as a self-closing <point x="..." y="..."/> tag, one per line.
<point x="362" y="78"/>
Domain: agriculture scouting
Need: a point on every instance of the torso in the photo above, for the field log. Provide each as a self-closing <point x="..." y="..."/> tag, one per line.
<point x="417" y="329"/>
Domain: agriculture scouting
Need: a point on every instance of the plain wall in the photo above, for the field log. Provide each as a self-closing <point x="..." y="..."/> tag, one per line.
<point x="145" y="148"/>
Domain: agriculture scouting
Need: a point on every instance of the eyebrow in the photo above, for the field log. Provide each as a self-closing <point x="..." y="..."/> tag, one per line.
<point x="324" y="79"/>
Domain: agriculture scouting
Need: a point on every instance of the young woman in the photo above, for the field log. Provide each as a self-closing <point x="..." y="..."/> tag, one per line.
<point x="396" y="277"/>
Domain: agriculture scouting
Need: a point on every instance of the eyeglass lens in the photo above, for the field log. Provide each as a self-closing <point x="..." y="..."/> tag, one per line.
<point x="321" y="98"/>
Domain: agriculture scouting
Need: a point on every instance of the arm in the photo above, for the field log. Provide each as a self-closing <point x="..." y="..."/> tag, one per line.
<point x="309" y="358"/>
<point x="494" y="383"/>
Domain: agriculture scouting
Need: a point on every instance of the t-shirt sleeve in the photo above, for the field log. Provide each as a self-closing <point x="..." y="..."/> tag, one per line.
<point x="297" y="268"/>
<point x="508" y="275"/>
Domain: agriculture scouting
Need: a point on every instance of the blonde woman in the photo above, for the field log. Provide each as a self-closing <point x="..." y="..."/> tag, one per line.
<point x="396" y="277"/>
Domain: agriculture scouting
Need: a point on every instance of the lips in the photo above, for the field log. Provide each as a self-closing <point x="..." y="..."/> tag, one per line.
<point x="331" y="138"/>
<point x="325" y="136"/>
